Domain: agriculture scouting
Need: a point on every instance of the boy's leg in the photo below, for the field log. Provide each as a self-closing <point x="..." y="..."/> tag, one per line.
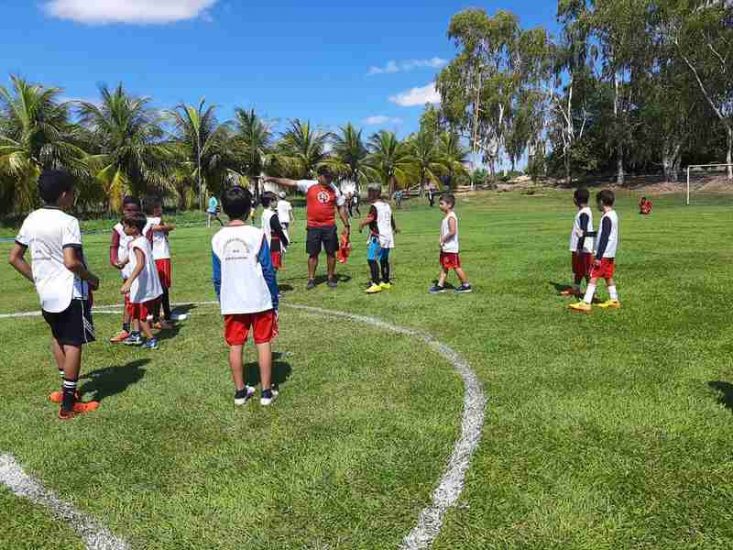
<point x="384" y="263"/>
<point x="442" y="277"/>
<point x="146" y="330"/>
<point x="612" y="291"/>
<point x="264" y="352"/>
<point x="237" y="366"/>
<point x="166" y="300"/>
<point x="462" y="276"/>
<point x="72" y="366"/>
<point x="374" y="270"/>
<point x="590" y="291"/>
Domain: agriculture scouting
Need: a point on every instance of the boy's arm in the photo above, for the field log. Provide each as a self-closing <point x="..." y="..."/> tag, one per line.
<point x="584" y="219"/>
<point x="603" y="239"/>
<point x="77" y="266"/>
<point x="216" y="274"/>
<point x="394" y="225"/>
<point x="135" y="272"/>
<point x="17" y="260"/>
<point x="369" y="218"/>
<point x="269" y="273"/>
<point x="451" y="231"/>
<point x="278" y="229"/>
<point x="114" y="258"/>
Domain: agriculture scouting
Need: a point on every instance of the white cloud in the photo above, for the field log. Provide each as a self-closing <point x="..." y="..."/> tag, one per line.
<point x="140" y="12"/>
<point x="395" y="67"/>
<point x="417" y="96"/>
<point x="381" y="120"/>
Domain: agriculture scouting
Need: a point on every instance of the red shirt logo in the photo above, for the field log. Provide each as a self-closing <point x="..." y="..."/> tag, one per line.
<point x="320" y="205"/>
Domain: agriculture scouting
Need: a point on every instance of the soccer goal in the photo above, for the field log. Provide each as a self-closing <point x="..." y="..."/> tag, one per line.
<point x="701" y="167"/>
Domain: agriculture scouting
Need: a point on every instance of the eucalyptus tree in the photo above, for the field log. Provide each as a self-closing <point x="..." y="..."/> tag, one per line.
<point x="132" y="154"/>
<point x="35" y="133"/>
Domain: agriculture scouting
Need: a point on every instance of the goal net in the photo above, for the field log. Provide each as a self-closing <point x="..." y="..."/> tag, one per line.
<point x="708" y="178"/>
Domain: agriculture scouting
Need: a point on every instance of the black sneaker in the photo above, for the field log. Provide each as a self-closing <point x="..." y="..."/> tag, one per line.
<point x="435" y="289"/>
<point x="332" y="283"/>
<point x="464" y="289"/>
<point x="311" y="285"/>
<point x="267" y="397"/>
<point x="242" y="396"/>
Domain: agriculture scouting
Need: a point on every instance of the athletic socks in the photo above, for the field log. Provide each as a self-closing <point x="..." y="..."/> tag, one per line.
<point x="69" y="394"/>
<point x="613" y="293"/>
<point x="591" y="290"/>
<point x="374" y="268"/>
<point x="126" y="327"/>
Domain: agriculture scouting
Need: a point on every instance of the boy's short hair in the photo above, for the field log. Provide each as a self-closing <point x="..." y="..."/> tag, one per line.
<point x="151" y="203"/>
<point x="268" y="198"/>
<point x="236" y="202"/>
<point x="130" y="200"/>
<point x="606" y="197"/>
<point x="374" y="191"/>
<point x="324" y="171"/>
<point x="581" y="195"/>
<point x="448" y="198"/>
<point x="136" y="220"/>
<point x="54" y="183"/>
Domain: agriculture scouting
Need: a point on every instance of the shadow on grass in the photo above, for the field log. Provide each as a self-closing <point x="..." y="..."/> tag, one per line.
<point x="285" y="288"/>
<point x="183" y="308"/>
<point x="725" y="393"/>
<point x="113" y="380"/>
<point x="560" y="287"/>
<point x="320" y="279"/>
<point x="168" y="334"/>
<point x="281" y="370"/>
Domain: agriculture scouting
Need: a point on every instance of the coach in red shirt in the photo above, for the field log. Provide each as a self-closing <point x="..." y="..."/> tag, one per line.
<point x="322" y="200"/>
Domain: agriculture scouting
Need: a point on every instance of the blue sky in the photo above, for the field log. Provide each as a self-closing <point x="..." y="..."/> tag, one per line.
<point x="324" y="61"/>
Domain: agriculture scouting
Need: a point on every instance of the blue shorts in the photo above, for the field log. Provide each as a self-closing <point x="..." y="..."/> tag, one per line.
<point x="376" y="252"/>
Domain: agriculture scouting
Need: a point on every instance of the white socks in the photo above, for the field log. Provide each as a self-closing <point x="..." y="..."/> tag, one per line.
<point x="589" y="292"/>
<point x="613" y="293"/>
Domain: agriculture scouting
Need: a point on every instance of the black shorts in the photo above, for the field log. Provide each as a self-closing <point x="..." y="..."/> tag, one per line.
<point x="322" y="236"/>
<point x="73" y="326"/>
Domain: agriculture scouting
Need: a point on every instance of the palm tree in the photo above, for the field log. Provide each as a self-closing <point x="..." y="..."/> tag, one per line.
<point x="391" y="159"/>
<point x="205" y="147"/>
<point x="132" y="156"/>
<point x="453" y="154"/>
<point x="252" y="139"/>
<point x="426" y="157"/>
<point x="349" y="155"/>
<point x="302" y="149"/>
<point x="35" y="134"/>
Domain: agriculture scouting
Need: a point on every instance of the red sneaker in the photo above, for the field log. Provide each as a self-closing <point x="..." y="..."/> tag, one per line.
<point x="58" y="397"/>
<point x="78" y="408"/>
<point x="119" y="337"/>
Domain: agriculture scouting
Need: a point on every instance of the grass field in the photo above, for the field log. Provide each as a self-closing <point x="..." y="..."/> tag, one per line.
<point x="612" y="430"/>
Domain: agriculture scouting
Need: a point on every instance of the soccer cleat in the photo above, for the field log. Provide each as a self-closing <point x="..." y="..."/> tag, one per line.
<point x="374" y="289"/>
<point x="120" y="337"/>
<point x="268" y="397"/>
<point x="58" y="397"/>
<point x="610" y="304"/>
<point x="242" y="396"/>
<point x="580" y="307"/>
<point x="386" y="286"/>
<point x="133" y="340"/>
<point x="436" y="289"/>
<point x="332" y="283"/>
<point x="464" y="289"/>
<point x="151" y="344"/>
<point x="311" y="285"/>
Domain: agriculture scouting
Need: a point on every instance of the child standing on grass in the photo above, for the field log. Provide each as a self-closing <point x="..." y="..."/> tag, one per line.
<point x="246" y="286"/>
<point x="277" y="240"/>
<point x="449" y="248"/>
<point x="381" y="239"/>
<point x="118" y="258"/>
<point x="162" y="257"/>
<point x="604" y="264"/>
<point x="63" y="283"/>
<point x="143" y="285"/>
<point x="285" y="213"/>
<point x="581" y="242"/>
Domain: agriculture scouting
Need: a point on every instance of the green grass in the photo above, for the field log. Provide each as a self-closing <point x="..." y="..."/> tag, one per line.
<point x="602" y="431"/>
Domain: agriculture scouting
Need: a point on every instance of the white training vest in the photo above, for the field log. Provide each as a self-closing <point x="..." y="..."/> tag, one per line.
<point x="147" y="286"/>
<point x="267" y="215"/>
<point x="576" y="233"/>
<point x="450" y="246"/>
<point x="243" y="286"/>
<point x="384" y="224"/>
<point x="612" y="245"/>
<point x="283" y="211"/>
<point x="123" y="249"/>
<point x="161" y="247"/>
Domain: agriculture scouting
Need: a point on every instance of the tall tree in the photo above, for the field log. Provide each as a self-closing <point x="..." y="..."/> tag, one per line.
<point x="132" y="155"/>
<point x="302" y="149"/>
<point x="453" y="155"/>
<point x="349" y="154"/>
<point x="391" y="159"/>
<point x="253" y="141"/>
<point x="35" y="134"/>
<point x="426" y="157"/>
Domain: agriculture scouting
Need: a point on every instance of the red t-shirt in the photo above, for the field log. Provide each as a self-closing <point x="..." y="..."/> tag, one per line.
<point x="320" y="203"/>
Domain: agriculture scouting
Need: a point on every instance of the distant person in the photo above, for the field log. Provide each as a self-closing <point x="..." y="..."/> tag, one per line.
<point x="397" y="198"/>
<point x="119" y="259"/>
<point x="246" y="287"/>
<point x="604" y="264"/>
<point x="322" y="200"/>
<point x="212" y="211"/>
<point x="143" y="286"/>
<point x="162" y="256"/>
<point x="277" y="240"/>
<point x="355" y="200"/>
<point x="63" y="282"/>
<point x="285" y="213"/>
<point x="581" y="242"/>
<point x="450" y="258"/>
<point x="432" y="190"/>
<point x="381" y="240"/>
<point x="645" y="206"/>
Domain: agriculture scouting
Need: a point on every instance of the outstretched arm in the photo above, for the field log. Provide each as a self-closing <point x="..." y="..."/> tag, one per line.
<point x="284" y="182"/>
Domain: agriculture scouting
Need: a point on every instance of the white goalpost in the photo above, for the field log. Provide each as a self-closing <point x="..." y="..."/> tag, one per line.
<point x="700" y="166"/>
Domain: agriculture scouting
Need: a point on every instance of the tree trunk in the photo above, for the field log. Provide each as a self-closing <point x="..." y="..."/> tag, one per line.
<point x="729" y="155"/>
<point x="620" y="145"/>
<point x="568" y="177"/>
<point x="671" y="161"/>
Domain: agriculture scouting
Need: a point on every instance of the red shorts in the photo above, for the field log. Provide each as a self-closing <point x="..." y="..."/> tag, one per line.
<point x="582" y="263"/>
<point x="263" y="325"/>
<point x="140" y="312"/>
<point x="164" y="272"/>
<point x="277" y="259"/>
<point x="605" y="270"/>
<point x="450" y="260"/>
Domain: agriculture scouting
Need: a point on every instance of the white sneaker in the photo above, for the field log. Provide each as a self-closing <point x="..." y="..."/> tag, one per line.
<point x="241" y="397"/>
<point x="268" y="397"/>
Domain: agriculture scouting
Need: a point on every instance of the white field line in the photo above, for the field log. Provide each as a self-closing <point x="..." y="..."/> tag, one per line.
<point x="21" y="484"/>
<point x="451" y="483"/>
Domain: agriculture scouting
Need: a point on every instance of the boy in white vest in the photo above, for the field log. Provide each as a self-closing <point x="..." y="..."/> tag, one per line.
<point x="275" y="234"/>
<point x="604" y="266"/>
<point x="450" y="258"/>
<point x="118" y="259"/>
<point x="143" y="285"/>
<point x="381" y="239"/>
<point x="159" y="231"/>
<point x="246" y="286"/>
<point x="581" y="242"/>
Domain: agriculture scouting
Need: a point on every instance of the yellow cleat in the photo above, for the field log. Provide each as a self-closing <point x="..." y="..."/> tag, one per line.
<point x="580" y="307"/>
<point x="610" y="304"/>
<point x="385" y="286"/>
<point x="374" y="289"/>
